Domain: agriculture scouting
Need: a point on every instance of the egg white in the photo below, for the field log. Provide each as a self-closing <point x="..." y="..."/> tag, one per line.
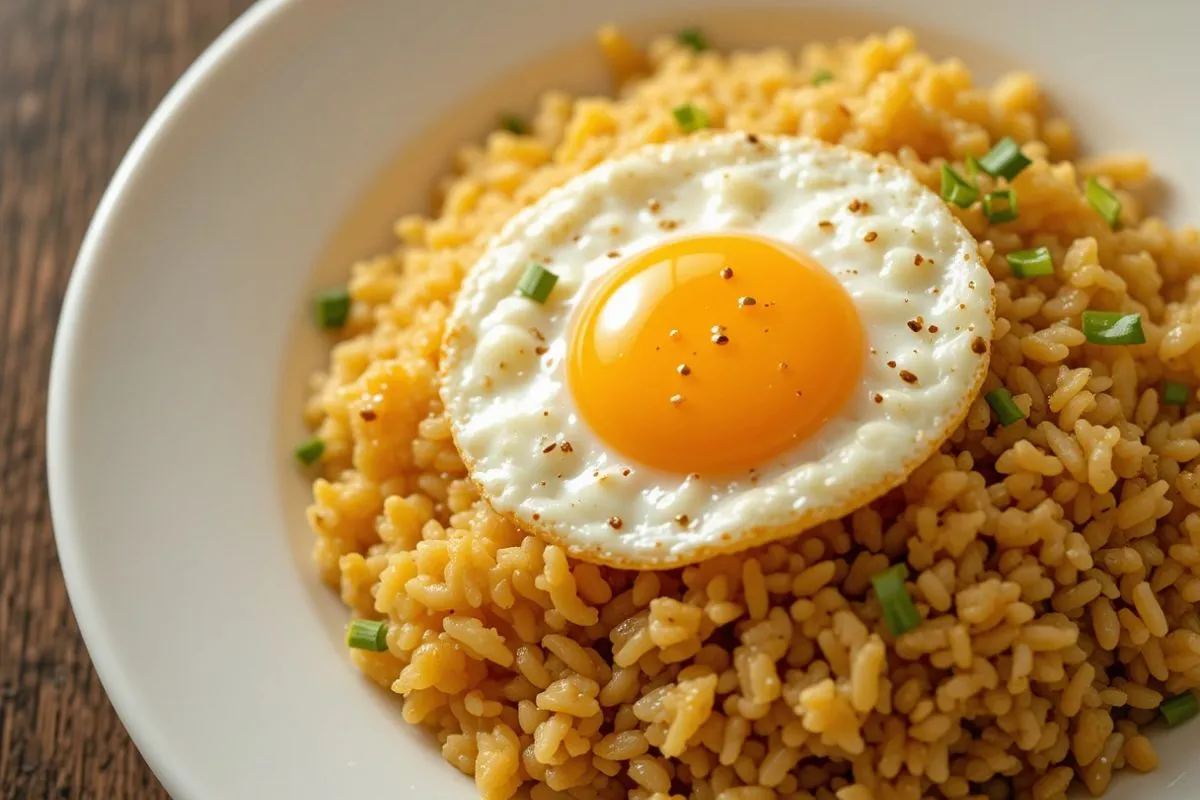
<point x="504" y="377"/>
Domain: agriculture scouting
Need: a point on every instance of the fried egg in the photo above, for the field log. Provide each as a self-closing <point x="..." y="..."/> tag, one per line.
<point x="747" y="336"/>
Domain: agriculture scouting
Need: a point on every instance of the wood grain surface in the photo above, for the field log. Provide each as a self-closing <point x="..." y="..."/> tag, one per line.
<point x="78" y="78"/>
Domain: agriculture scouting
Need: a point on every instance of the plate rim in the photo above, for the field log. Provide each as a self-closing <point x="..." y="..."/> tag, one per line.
<point x="115" y="679"/>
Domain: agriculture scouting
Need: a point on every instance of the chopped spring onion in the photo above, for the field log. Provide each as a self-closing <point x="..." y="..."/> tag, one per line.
<point x="309" y="452"/>
<point x="1179" y="708"/>
<point x="899" y="612"/>
<point x="333" y="307"/>
<point x="956" y="189"/>
<point x="1000" y="205"/>
<point x="1007" y="410"/>
<point x="367" y="634"/>
<point x="1113" y="327"/>
<point x="693" y="38"/>
<point x="513" y="124"/>
<point x="821" y="76"/>
<point x="1031" y="263"/>
<point x="1004" y="160"/>
<point x="1104" y="201"/>
<point x="973" y="168"/>
<point x="537" y="283"/>
<point x="1175" y="393"/>
<point x="690" y="117"/>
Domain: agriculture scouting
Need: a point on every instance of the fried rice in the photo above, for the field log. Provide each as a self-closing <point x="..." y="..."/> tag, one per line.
<point x="1055" y="562"/>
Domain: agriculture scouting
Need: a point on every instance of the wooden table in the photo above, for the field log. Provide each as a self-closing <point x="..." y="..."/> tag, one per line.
<point x="78" y="78"/>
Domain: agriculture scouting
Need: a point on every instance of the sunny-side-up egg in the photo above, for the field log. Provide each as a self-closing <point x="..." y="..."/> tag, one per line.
<point x="747" y="336"/>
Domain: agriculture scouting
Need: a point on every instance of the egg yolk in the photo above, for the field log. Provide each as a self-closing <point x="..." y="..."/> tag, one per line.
<point x="713" y="354"/>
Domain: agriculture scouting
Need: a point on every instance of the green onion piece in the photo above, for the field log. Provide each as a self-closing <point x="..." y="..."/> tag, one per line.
<point x="1005" y="160"/>
<point x="690" y="117"/>
<point x="1000" y="205"/>
<point x="821" y="76"/>
<point x="309" y="452"/>
<point x="1031" y="263"/>
<point x="899" y="613"/>
<point x="1113" y="327"/>
<point x="956" y="189"/>
<point x="1104" y="201"/>
<point x="367" y="634"/>
<point x="973" y="168"/>
<point x="1175" y="393"/>
<point x="513" y="124"/>
<point x="1007" y="410"/>
<point x="1179" y="708"/>
<point x="537" y="283"/>
<point x="333" y="307"/>
<point x="693" y="38"/>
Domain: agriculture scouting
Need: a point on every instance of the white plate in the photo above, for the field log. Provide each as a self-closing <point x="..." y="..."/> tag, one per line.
<point x="284" y="153"/>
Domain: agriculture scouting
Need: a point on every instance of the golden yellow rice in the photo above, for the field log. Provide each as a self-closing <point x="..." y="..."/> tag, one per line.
<point x="1055" y="562"/>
